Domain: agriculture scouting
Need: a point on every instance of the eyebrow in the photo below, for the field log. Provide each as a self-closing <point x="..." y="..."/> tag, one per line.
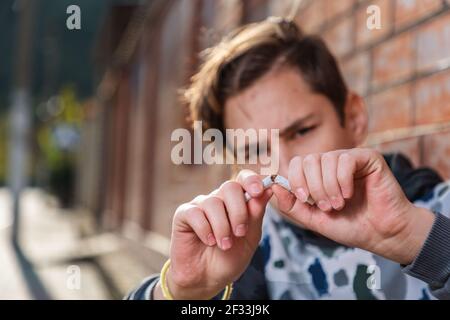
<point x="284" y="132"/>
<point x="295" y="125"/>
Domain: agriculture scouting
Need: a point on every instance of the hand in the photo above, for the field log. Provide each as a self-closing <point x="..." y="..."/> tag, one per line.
<point x="359" y="203"/>
<point x="214" y="238"/>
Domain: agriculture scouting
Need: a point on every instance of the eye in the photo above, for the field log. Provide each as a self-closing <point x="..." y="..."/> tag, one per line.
<point x="256" y="152"/>
<point x="264" y="150"/>
<point x="305" y="130"/>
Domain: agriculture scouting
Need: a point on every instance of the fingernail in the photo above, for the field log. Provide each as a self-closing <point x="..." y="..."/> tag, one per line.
<point x="336" y="202"/>
<point x="226" y="243"/>
<point x="211" y="239"/>
<point x="324" y="205"/>
<point x="301" y="195"/>
<point x="255" y="188"/>
<point x="241" y="230"/>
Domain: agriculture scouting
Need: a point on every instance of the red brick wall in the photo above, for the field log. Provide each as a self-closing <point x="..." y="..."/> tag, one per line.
<point x="402" y="70"/>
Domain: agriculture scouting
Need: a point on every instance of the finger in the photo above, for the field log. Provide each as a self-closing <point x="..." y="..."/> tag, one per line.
<point x="329" y="163"/>
<point x="367" y="161"/>
<point x="195" y="218"/>
<point x="313" y="174"/>
<point x="257" y="206"/>
<point x="256" y="209"/>
<point x="285" y="199"/>
<point x="293" y="209"/>
<point x="217" y="216"/>
<point x="251" y="182"/>
<point x="345" y="174"/>
<point x="233" y="197"/>
<point x="297" y="179"/>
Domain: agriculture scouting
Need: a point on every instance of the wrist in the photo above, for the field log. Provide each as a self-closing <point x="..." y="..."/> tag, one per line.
<point x="188" y="292"/>
<point x="157" y="292"/>
<point x="407" y="245"/>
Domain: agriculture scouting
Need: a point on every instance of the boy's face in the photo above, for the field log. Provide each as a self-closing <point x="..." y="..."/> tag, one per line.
<point x="307" y="121"/>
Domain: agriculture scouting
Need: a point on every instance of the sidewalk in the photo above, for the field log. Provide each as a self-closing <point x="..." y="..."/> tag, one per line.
<point x="52" y="254"/>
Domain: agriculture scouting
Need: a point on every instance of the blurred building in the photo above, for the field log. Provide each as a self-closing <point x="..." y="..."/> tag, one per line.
<point x="146" y="53"/>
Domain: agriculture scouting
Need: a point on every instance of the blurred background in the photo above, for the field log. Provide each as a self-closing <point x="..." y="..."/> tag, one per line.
<point x="87" y="187"/>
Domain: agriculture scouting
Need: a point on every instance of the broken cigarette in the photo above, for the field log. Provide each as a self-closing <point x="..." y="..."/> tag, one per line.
<point x="281" y="181"/>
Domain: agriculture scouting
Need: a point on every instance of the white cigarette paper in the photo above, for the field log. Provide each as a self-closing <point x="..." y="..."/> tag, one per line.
<point x="281" y="181"/>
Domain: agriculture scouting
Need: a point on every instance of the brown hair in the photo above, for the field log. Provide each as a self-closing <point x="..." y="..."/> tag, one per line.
<point x="250" y="52"/>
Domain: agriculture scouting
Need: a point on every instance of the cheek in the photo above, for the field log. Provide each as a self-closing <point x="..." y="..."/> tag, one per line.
<point x="331" y="135"/>
<point x="334" y="138"/>
<point x="339" y="138"/>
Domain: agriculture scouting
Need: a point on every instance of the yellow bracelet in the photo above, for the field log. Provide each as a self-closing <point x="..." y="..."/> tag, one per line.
<point x="168" y="295"/>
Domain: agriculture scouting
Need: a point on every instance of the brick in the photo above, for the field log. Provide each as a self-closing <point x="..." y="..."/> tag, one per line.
<point x="312" y="16"/>
<point x="393" y="60"/>
<point x="432" y="98"/>
<point x="339" y="37"/>
<point x="433" y="44"/>
<point x="356" y="72"/>
<point x="337" y="8"/>
<point x="408" y="147"/>
<point x="409" y="11"/>
<point x="436" y="153"/>
<point x="364" y="36"/>
<point x="391" y="109"/>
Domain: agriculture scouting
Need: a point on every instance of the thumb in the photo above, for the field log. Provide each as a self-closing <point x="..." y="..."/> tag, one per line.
<point x="292" y="209"/>
<point x="285" y="199"/>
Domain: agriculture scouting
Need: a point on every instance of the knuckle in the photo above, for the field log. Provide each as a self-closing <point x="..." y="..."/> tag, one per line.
<point x="244" y="174"/>
<point x="310" y="159"/>
<point x="229" y="186"/>
<point x="251" y="179"/>
<point x="193" y="211"/>
<point x="212" y="201"/>
<point x="181" y="209"/>
<point x="186" y="211"/>
<point x="375" y="154"/>
<point x="327" y="158"/>
<point x="198" y="199"/>
<point x="370" y="152"/>
<point x="295" y="161"/>
<point x="345" y="158"/>
<point x="240" y="174"/>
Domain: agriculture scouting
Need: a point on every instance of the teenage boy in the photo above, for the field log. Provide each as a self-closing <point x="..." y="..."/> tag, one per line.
<point x="378" y="228"/>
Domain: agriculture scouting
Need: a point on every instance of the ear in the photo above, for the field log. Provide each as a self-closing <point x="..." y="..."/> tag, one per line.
<point x="356" y="120"/>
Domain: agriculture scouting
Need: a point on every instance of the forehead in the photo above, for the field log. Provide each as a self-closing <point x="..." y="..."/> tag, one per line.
<point x="272" y="101"/>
